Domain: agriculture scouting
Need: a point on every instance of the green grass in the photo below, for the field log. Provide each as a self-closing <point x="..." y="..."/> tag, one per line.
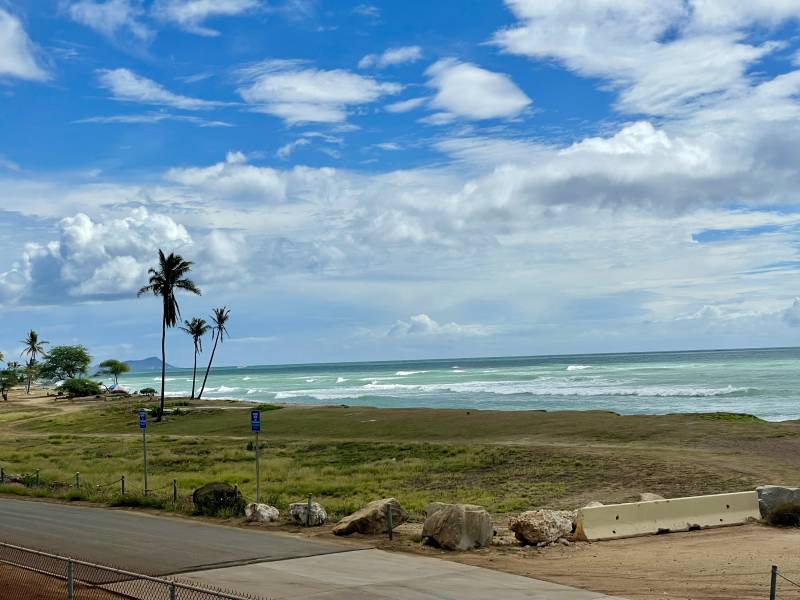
<point x="347" y="456"/>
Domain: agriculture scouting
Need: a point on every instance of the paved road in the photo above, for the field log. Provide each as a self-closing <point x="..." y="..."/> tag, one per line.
<point x="144" y="543"/>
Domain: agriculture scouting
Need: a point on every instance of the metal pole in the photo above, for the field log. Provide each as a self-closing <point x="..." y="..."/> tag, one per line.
<point x="389" y="521"/>
<point x="174" y="491"/>
<point x="144" y="445"/>
<point x="308" y="512"/>
<point x="773" y="585"/>
<point x="122" y="482"/>
<point x="258" y="471"/>
<point x="70" y="582"/>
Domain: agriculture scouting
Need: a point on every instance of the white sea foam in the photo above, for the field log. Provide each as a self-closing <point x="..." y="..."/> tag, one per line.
<point x="578" y="367"/>
<point x="246" y="378"/>
<point x="404" y="373"/>
<point x="340" y="380"/>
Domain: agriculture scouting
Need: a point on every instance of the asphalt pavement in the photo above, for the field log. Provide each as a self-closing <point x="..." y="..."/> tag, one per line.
<point x="144" y="543"/>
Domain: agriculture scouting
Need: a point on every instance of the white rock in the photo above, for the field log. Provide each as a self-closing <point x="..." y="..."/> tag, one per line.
<point x="542" y="526"/>
<point x="648" y="497"/>
<point x="298" y="511"/>
<point x="261" y="513"/>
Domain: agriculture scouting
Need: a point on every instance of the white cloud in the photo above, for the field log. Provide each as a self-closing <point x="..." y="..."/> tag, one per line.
<point x="110" y="17"/>
<point x="93" y="259"/>
<point x="389" y="146"/>
<point x="189" y="15"/>
<point x="18" y="55"/>
<point x="406" y="105"/>
<point x="665" y="57"/>
<point x="298" y="93"/>
<point x="286" y="150"/>
<point x="153" y="118"/>
<point x="423" y="325"/>
<point x="390" y="57"/>
<point x="128" y="86"/>
<point x="367" y="10"/>
<point x="792" y="314"/>
<point x="465" y="90"/>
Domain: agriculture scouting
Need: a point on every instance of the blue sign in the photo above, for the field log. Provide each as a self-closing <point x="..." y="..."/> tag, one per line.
<point x="142" y="418"/>
<point x="255" y="421"/>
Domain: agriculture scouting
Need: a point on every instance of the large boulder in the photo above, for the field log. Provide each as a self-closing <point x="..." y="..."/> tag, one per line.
<point x="261" y="513"/>
<point x="300" y="515"/>
<point x="458" y="526"/>
<point x="771" y="497"/>
<point x="542" y="526"/>
<point x="218" y="498"/>
<point x="372" y="519"/>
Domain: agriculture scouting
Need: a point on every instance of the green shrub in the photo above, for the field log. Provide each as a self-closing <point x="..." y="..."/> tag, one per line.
<point x="75" y="388"/>
<point x="785" y="515"/>
<point x="148" y="391"/>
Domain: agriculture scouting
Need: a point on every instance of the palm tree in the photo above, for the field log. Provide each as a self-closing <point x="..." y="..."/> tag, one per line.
<point x="170" y="275"/>
<point x="33" y="347"/>
<point x="219" y="318"/>
<point x="196" y="328"/>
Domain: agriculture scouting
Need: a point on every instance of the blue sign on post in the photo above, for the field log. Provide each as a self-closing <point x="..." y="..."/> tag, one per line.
<point x="255" y="421"/>
<point x="142" y="419"/>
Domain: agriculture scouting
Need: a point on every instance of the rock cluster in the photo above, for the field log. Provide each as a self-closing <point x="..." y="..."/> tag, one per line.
<point x="372" y="519"/>
<point x="457" y="526"/>
<point x="542" y="527"/>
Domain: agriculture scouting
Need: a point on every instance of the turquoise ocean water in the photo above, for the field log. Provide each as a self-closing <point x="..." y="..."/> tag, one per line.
<point x="764" y="382"/>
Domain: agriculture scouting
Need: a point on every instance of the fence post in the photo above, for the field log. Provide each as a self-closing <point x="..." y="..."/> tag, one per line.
<point x="174" y="491"/>
<point x="122" y="482"/>
<point x="2" y="476"/>
<point x="173" y="592"/>
<point x="37" y="477"/>
<point x="389" y="521"/>
<point x="773" y="584"/>
<point x="77" y="480"/>
<point x="308" y="512"/>
<point x="70" y="582"/>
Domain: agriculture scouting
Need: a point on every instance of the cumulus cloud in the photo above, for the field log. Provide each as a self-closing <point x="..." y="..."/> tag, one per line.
<point x="299" y="93"/>
<point x="92" y="259"/>
<point x="390" y="57"/>
<point x="792" y="314"/>
<point x="468" y="91"/>
<point x="405" y="105"/>
<point x="128" y="86"/>
<point x="111" y="17"/>
<point x="189" y="15"/>
<point x="423" y="325"/>
<point x="18" y="55"/>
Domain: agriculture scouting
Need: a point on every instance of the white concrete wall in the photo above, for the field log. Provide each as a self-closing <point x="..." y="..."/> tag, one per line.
<point x="660" y="516"/>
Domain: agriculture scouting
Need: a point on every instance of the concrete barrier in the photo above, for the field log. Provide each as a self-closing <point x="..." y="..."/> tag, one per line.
<point x="662" y="516"/>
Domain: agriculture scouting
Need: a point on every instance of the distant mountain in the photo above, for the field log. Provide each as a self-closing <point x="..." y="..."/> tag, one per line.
<point x="153" y="363"/>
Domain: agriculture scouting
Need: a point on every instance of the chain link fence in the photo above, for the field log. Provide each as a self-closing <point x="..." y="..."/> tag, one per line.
<point x="27" y="574"/>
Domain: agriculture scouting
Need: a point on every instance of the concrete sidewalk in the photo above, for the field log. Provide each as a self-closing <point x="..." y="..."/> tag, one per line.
<point x="379" y="575"/>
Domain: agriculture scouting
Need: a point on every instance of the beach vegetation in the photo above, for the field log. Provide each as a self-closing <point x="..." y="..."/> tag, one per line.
<point x="65" y="362"/>
<point x="197" y="328"/>
<point x="219" y="320"/>
<point x="169" y="277"/>
<point x="148" y="391"/>
<point x="9" y="378"/>
<point x="114" y="367"/>
<point x="32" y="347"/>
<point x="77" y="388"/>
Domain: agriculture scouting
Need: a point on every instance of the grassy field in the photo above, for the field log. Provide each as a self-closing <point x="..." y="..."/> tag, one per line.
<point x="345" y="456"/>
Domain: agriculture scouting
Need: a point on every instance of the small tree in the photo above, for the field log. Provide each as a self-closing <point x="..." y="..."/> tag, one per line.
<point x="33" y="347"/>
<point x="196" y="328"/>
<point x="114" y="367"/>
<point x="219" y="320"/>
<point x="65" y="362"/>
<point x="77" y="388"/>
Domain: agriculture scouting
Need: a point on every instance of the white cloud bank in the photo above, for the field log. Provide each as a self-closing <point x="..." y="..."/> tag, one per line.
<point x="18" y="55"/>
<point x="128" y="86"/>
<point x="111" y="16"/>
<point x="190" y="15"/>
<point x="423" y="325"/>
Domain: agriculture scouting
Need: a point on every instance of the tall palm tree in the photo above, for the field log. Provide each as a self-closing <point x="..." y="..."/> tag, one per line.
<point x="168" y="277"/>
<point x="196" y="328"/>
<point x="219" y="318"/>
<point x="33" y="347"/>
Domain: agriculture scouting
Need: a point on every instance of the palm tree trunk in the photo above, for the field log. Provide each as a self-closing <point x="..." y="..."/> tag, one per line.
<point x="194" y="373"/>
<point x="163" y="364"/>
<point x="208" y="368"/>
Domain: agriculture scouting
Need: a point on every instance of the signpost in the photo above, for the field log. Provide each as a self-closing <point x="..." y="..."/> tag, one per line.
<point x="143" y="427"/>
<point x="255" y="427"/>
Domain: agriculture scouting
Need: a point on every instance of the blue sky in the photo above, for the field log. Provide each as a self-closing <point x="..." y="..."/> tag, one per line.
<point x="400" y="180"/>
